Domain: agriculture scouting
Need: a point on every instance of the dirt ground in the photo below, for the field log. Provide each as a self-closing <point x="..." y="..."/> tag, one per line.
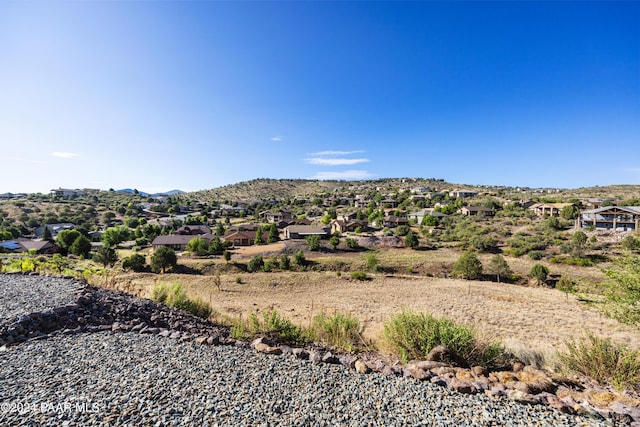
<point x="522" y="317"/>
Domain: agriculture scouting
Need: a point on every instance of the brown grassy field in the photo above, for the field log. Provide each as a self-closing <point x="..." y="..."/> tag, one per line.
<point x="523" y="317"/>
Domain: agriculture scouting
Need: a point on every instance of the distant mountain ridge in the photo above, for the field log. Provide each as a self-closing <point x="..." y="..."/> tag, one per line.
<point x="142" y="193"/>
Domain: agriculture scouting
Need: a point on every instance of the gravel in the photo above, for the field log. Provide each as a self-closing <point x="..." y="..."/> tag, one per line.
<point x="130" y="379"/>
<point x="124" y="378"/>
<point x="21" y="295"/>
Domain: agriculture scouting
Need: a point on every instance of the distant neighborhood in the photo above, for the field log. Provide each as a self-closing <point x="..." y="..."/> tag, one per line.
<point x="175" y="219"/>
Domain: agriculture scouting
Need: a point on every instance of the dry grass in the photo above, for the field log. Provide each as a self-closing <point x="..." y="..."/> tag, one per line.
<point x="538" y="319"/>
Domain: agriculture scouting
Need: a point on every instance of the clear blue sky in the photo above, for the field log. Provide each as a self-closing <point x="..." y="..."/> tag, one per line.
<point x="157" y="95"/>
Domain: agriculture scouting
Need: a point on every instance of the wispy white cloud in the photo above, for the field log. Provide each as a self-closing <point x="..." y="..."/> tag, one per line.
<point x="277" y="138"/>
<point x="345" y="175"/>
<point x="334" y="161"/>
<point x="335" y="153"/>
<point x="64" y="154"/>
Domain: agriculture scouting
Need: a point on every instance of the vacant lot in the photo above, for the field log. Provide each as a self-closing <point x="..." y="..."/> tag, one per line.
<point x="523" y="317"/>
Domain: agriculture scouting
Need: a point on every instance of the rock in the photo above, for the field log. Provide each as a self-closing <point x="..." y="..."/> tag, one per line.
<point x="213" y="340"/>
<point x="522" y="397"/>
<point x="462" y="386"/>
<point x="267" y="349"/>
<point x="479" y="371"/>
<point x="427" y="364"/>
<point x="315" y="357"/>
<point x="300" y="353"/>
<point x="164" y="333"/>
<point x="201" y="340"/>
<point x="559" y="405"/>
<point x="347" y="360"/>
<point x="517" y="366"/>
<point x="361" y="367"/>
<point x="330" y="358"/>
<point x="175" y="335"/>
<point x="418" y="374"/>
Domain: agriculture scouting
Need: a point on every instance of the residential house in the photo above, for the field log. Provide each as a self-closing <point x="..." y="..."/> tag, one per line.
<point x="548" y="209"/>
<point x="276" y="216"/>
<point x="342" y="226"/>
<point x="419" y="216"/>
<point x="461" y="194"/>
<point x="294" y="221"/>
<point x="615" y="218"/>
<point x="392" y="221"/>
<point x="244" y="237"/>
<point x="54" y="229"/>
<point x="476" y="211"/>
<point x="66" y="192"/>
<point x="194" y="230"/>
<point x="178" y="242"/>
<point x="302" y="231"/>
<point x="25" y="245"/>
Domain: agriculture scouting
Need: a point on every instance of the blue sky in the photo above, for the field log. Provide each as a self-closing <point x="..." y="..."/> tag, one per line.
<point x="158" y="95"/>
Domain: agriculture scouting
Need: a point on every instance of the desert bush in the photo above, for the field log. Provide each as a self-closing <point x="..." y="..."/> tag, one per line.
<point x="539" y="272"/>
<point x="299" y="258"/>
<point x="351" y="243"/>
<point x="604" y="361"/>
<point x="359" y="275"/>
<point x="371" y="262"/>
<point x="135" y="262"/>
<point x="414" y="335"/>
<point x="255" y="264"/>
<point x="274" y="326"/>
<point x="631" y="243"/>
<point x="536" y="255"/>
<point x="340" y="331"/>
<point x="581" y="262"/>
<point x="623" y="290"/>
<point x="566" y="285"/>
<point x="468" y="266"/>
<point x="175" y="296"/>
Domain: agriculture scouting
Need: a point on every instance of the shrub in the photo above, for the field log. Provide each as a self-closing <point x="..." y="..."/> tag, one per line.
<point x="536" y="255"/>
<point x="468" y="266"/>
<point x="581" y="262"/>
<point x="285" y="262"/>
<point x="604" y="361"/>
<point x="255" y="264"/>
<point x="566" y="285"/>
<point x="351" y="243"/>
<point x="539" y="272"/>
<point x="371" y="262"/>
<point x="277" y="327"/>
<point x="340" y="331"/>
<point x="238" y="280"/>
<point x="163" y="258"/>
<point x="631" y="243"/>
<point x="135" y="262"/>
<point x="313" y="242"/>
<point x="299" y="258"/>
<point x="359" y="275"/>
<point x="414" y="335"/>
<point x="174" y="296"/>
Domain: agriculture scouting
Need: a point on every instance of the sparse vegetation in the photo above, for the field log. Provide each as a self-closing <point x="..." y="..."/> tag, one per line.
<point x="341" y="331"/>
<point x="604" y="361"/>
<point x="413" y="335"/>
<point x="174" y="296"/>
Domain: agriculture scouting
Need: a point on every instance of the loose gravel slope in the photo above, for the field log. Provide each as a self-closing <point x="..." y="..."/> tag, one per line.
<point x="115" y="378"/>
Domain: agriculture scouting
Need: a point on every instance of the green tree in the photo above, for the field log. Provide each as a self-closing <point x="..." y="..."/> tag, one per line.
<point x="46" y="235"/>
<point x="81" y="246"/>
<point x="227" y="256"/>
<point x="569" y="212"/>
<point x="107" y="217"/>
<point x="113" y="236"/>
<point x="539" y="272"/>
<point x="468" y="266"/>
<point x="499" y="266"/>
<point x="255" y="264"/>
<point x="135" y="262"/>
<point x="162" y="259"/>
<point x="578" y="243"/>
<point x="66" y="238"/>
<point x="197" y="246"/>
<point x="371" y="262"/>
<point x="334" y="242"/>
<point x="285" y="262"/>
<point x="299" y="258"/>
<point x="411" y="240"/>
<point x="106" y="256"/>
<point x="430" y="220"/>
<point x="258" y="240"/>
<point x="273" y="234"/>
<point x="566" y="285"/>
<point x="216" y="247"/>
<point x="313" y="242"/>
